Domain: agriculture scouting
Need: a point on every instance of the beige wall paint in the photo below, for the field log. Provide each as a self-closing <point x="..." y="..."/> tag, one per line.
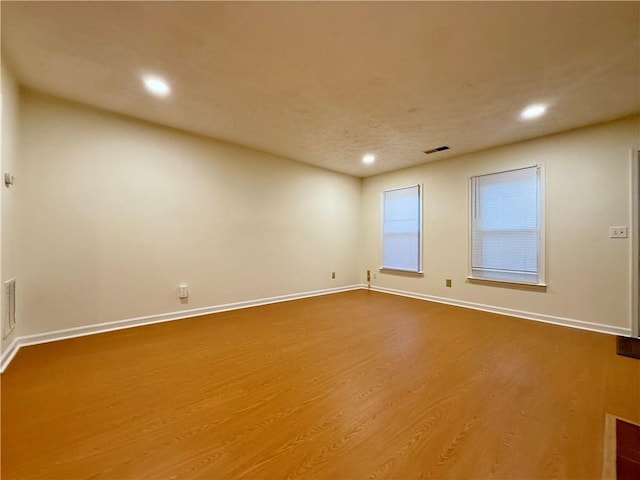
<point x="117" y="213"/>
<point x="8" y="227"/>
<point x="587" y="190"/>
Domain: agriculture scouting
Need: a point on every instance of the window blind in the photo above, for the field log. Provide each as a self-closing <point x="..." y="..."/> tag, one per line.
<point x="506" y="227"/>
<point x="402" y="228"/>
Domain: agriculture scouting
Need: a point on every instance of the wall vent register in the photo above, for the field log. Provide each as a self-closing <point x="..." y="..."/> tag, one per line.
<point x="9" y="307"/>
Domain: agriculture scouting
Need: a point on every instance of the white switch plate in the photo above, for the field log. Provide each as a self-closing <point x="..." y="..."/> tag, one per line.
<point x="183" y="291"/>
<point x="617" y="232"/>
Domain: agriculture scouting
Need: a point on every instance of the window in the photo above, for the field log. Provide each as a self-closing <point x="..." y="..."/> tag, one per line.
<point x="506" y="226"/>
<point x="402" y="229"/>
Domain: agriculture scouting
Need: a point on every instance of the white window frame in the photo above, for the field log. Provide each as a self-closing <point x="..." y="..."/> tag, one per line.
<point x="541" y="232"/>
<point x="390" y="268"/>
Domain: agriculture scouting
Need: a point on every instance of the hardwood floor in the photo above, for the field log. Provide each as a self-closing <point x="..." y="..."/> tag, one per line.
<point x="354" y="385"/>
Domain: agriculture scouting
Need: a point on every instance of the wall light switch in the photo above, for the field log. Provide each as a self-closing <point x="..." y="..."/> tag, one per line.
<point x="617" y="232"/>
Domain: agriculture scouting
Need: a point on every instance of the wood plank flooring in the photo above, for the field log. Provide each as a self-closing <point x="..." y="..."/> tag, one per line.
<point x="357" y="385"/>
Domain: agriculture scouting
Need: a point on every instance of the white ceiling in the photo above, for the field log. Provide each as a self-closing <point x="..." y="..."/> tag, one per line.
<point x="325" y="83"/>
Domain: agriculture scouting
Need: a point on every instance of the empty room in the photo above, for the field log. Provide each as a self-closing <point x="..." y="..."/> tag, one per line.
<point x="329" y="240"/>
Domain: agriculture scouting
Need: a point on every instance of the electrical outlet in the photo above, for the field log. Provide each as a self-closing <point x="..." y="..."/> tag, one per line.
<point x="617" y="232"/>
<point x="333" y="274"/>
<point x="8" y="179"/>
<point x="448" y="282"/>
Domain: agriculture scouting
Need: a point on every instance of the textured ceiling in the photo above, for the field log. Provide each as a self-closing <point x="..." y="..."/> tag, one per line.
<point x="325" y="83"/>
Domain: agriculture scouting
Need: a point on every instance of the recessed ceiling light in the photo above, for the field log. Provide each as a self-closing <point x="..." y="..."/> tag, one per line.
<point x="156" y="85"/>
<point x="533" y="111"/>
<point x="368" y="159"/>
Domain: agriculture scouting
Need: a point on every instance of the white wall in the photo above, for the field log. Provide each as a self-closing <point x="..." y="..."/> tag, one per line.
<point x="9" y="163"/>
<point x="587" y="190"/>
<point x="117" y="213"/>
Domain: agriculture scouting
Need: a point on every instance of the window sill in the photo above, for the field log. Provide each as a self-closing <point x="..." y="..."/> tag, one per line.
<point x="406" y="273"/>
<point x="534" y="287"/>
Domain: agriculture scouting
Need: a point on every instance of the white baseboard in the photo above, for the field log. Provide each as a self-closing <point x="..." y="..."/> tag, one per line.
<point x="23" y="341"/>
<point x="539" y="317"/>
<point x="8" y="354"/>
<point x="26" y="340"/>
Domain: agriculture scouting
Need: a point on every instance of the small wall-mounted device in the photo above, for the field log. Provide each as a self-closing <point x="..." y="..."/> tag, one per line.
<point x="8" y="179"/>
<point x="183" y="292"/>
<point x="618" y="232"/>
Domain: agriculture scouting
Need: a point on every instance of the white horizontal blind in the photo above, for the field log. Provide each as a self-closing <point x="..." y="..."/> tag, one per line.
<point x="505" y="226"/>
<point x="402" y="228"/>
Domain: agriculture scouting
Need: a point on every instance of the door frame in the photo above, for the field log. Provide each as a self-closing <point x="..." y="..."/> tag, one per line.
<point x="635" y="240"/>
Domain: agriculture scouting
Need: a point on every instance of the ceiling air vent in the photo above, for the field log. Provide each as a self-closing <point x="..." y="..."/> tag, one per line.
<point x="438" y="149"/>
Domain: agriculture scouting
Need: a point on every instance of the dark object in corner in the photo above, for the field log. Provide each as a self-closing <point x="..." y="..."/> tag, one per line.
<point x="627" y="450"/>
<point x="629" y="347"/>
